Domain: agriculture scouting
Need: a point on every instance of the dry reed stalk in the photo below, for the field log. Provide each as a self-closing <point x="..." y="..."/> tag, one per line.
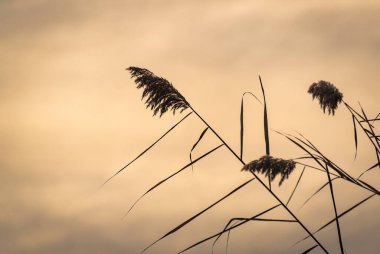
<point x="162" y="96"/>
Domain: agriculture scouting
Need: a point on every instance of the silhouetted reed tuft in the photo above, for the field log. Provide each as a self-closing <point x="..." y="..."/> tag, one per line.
<point x="161" y="94"/>
<point x="271" y="167"/>
<point x="328" y="95"/>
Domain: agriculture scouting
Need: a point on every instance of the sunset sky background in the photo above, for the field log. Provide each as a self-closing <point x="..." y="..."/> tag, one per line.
<point x="71" y="117"/>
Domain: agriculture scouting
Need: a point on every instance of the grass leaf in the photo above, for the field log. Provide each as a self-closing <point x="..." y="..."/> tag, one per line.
<point x="226" y="229"/>
<point x="315" y="193"/>
<point x="241" y="127"/>
<point x="310" y="249"/>
<point x="172" y="175"/>
<point x="374" y="166"/>
<point x="340" y="215"/>
<point x="147" y="149"/>
<point x="242" y="121"/>
<point x="299" y="179"/>
<point x="335" y="210"/>
<point x="196" y="143"/>
<point x="198" y="214"/>
<point x="266" y="129"/>
<point x="355" y="136"/>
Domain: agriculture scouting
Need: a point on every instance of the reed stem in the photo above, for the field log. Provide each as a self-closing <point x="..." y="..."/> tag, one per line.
<point x="260" y="181"/>
<point x="335" y="210"/>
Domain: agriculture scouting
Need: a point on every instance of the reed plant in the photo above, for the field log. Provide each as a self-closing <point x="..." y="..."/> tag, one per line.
<point x="161" y="97"/>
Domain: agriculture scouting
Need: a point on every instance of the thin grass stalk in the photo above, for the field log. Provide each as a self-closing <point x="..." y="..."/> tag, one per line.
<point x="197" y="215"/>
<point x="146" y="150"/>
<point x="233" y="222"/>
<point x="356" y="114"/>
<point x="226" y="229"/>
<point x="355" y="136"/>
<point x="317" y="191"/>
<point x="295" y="188"/>
<point x="172" y="175"/>
<point x="370" y="126"/>
<point x="266" y="129"/>
<point x="242" y="127"/>
<point x="316" y="158"/>
<point x="162" y="96"/>
<point x="195" y="145"/>
<point x="374" y="166"/>
<point x="242" y="121"/>
<point x="310" y="249"/>
<point x="335" y="210"/>
<point x="261" y="182"/>
<point x="339" y="216"/>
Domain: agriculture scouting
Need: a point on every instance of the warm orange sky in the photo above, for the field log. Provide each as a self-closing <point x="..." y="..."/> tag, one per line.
<point x="71" y="116"/>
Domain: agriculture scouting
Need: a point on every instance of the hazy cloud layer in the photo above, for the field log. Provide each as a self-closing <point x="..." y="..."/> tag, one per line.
<point x="70" y="117"/>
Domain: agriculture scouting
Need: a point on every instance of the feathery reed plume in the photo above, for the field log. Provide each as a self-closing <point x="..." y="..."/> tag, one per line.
<point x="328" y="95"/>
<point x="161" y="94"/>
<point x="271" y="167"/>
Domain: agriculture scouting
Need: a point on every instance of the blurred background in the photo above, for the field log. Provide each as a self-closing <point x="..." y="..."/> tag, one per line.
<point x="71" y="117"/>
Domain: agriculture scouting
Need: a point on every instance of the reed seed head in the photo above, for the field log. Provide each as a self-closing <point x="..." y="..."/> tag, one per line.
<point x="328" y="95"/>
<point x="160" y="93"/>
<point x="271" y="167"/>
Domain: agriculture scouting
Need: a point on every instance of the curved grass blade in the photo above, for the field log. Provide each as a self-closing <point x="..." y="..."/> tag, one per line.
<point x="266" y="130"/>
<point x="370" y="187"/>
<point x="172" y="175"/>
<point x="324" y="159"/>
<point x="234" y="221"/>
<point x="374" y="166"/>
<point x="367" y="132"/>
<point x="227" y="242"/>
<point x="312" y="167"/>
<point x="355" y="136"/>
<point x="198" y="214"/>
<point x="335" y="210"/>
<point x="242" y="121"/>
<point x="370" y="127"/>
<point x="337" y="169"/>
<point x="310" y="249"/>
<point x="340" y="215"/>
<point x="353" y="111"/>
<point x="227" y="229"/>
<point x="241" y="127"/>
<point x="315" y="193"/>
<point x="299" y="179"/>
<point x="373" y="134"/>
<point x="147" y="149"/>
<point x="196" y="143"/>
<point x="372" y="120"/>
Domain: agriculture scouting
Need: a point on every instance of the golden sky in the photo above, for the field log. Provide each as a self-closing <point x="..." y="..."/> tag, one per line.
<point x="71" y="116"/>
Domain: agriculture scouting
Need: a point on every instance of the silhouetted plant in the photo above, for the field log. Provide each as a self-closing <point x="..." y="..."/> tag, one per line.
<point x="328" y="95"/>
<point x="271" y="167"/>
<point x="161" y="96"/>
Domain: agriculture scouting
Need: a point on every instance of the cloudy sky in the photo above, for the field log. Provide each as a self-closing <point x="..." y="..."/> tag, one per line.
<point x="71" y="117"/>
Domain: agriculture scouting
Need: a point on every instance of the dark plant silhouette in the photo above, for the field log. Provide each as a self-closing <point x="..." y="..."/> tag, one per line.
<point x="157" y="89"/>
<point x="161" y="96"/>
<point x="328" y="95"/>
